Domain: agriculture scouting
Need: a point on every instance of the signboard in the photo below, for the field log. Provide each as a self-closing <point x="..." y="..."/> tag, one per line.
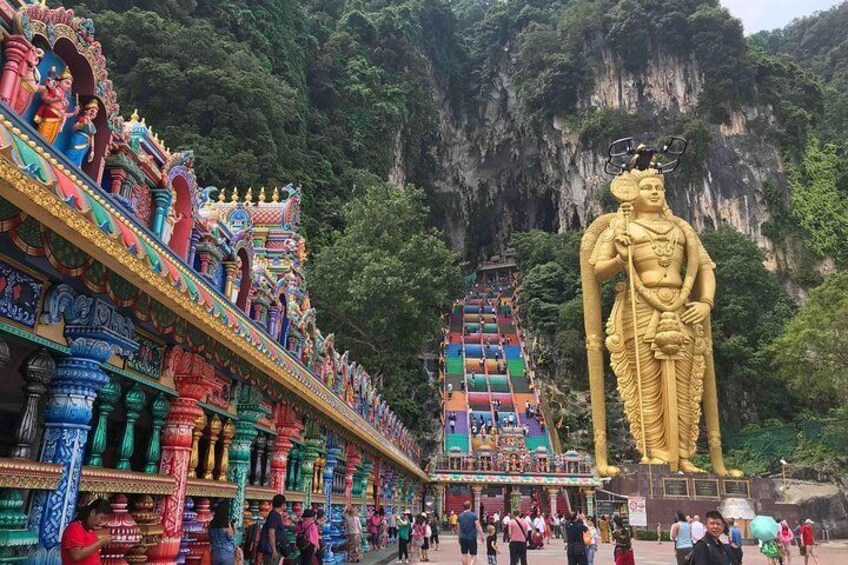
<point x="637" y="511"/>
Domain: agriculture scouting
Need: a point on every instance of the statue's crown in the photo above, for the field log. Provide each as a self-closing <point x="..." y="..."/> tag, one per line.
<point x="66" y="74"/>
<point x="638" y="175"/>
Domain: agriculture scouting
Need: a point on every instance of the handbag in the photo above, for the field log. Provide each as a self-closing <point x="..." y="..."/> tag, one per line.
<point x="238" y="556"/>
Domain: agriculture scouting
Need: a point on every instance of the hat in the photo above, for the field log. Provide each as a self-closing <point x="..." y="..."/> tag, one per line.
<point x="308" y="513"/>
<point x="808" y="521"/>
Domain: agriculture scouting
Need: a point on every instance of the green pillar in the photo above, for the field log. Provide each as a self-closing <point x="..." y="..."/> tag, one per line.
<point x="134" y="401"/>
<point x="15" y="538"/>
<point x="158" y="410"/>
<point x="107" y="398"/>
<point x="250" y="409"/>
<point x="311" y="451"/>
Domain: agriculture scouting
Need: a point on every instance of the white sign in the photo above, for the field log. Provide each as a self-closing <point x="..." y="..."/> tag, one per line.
<point x="636" y="509"/>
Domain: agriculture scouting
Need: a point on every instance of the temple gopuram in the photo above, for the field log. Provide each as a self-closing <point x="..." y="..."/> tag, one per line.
<point x="157" y="344"/>
<point x="498" y="449"/>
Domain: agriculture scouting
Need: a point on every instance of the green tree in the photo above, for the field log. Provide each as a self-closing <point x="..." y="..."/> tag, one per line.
<point x="382" y="286"/>
<point x="811" y="353"/>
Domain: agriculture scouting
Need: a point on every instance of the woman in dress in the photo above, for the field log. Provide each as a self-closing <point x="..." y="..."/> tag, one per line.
<point x="786" y="537"/>
<point x="221" y="539"/>
<point x="81" y="542"/>
<point x="604" y="527"/>
<point x="622" y="539"/>
<point x="383" y="535"/>
<point x="353" y="531"/>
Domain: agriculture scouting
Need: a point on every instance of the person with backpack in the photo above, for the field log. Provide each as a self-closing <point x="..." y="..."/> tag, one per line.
<point x="272" y="539"/>
<point x="681" y="535"/>
<point x="592" y="545"/>
<point x="735" y="536"/>
<point x="419" y="536"/>
<point x="306" y="538"/>
<point x="709" y="550"/>
<point x="623" y="540"/>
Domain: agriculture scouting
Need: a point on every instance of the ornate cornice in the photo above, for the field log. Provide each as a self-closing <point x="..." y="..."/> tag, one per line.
<point x="259" y="493"/>
<point x="100" y="480"/>
<point x="42" y="202"/>
<point x="212" y="489"/>
<point x="26" y="474"/>
<point x="513" y="479"/>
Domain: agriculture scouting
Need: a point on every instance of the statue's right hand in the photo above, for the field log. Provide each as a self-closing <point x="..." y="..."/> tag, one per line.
<point x="622" y="245"/>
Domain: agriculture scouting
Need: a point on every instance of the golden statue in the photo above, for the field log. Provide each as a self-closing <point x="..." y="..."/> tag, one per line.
<point x="660" y="344"/>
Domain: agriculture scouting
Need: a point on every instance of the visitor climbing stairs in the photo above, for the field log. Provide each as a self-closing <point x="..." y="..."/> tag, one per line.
<point x="484" y="362"/>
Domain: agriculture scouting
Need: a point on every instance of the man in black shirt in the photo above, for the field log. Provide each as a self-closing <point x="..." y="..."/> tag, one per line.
<point x="709" y="550"/>
<point x="576" y="547"/>
<point x="272" y="540"/>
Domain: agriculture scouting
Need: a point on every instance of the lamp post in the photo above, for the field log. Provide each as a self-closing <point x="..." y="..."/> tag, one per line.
<point x="783" y="465"/>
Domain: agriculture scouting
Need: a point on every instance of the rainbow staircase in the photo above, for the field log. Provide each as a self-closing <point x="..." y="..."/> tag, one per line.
<point x="483" y="363"/>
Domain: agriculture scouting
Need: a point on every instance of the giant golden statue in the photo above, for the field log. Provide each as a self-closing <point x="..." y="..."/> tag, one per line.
<point x="658" y="333"/>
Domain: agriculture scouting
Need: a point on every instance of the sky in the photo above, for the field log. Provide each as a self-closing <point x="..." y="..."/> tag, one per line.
<point x="757" y="15"/>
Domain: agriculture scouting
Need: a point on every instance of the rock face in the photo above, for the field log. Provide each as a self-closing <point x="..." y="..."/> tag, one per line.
<point x="499" y="173"/>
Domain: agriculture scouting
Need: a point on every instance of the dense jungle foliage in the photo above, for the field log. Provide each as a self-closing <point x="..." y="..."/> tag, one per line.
<point x="335" y="94"/>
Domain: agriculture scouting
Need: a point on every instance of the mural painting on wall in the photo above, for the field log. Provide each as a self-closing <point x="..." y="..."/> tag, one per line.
<point x="148" y="359"/>
<point x="20" y="294"/>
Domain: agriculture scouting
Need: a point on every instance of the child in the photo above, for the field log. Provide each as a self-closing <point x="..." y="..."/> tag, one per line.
<point x="492" y="545"/>
<point x="659" y="533"/>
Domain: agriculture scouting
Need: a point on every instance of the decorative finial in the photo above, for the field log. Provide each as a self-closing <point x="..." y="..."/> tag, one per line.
<point x="221" y="196"/>
<point x="249" y="196"/>
<point x="276" y="196"/>
<point x="234" y="197"/>
<point x="144" y="121"/>
<point x="134" y="116"/>
<point x="262" y="194"/>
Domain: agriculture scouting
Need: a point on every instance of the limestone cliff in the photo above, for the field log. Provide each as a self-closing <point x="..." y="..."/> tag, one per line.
<point x="498" y="173"/>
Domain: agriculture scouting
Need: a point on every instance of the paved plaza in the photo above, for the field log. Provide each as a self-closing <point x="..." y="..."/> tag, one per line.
<point x="646" y="553"/>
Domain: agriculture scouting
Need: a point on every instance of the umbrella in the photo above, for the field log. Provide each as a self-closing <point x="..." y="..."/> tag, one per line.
<point x="764" y="528"/>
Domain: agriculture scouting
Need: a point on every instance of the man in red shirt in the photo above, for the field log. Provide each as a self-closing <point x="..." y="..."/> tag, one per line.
<point x="808" y="541"/>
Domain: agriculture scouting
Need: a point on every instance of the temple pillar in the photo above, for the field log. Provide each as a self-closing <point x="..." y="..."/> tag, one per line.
<point x="330" y="462"/>
<point x="352" y="458"/>
<point x="214" y="431"/>
<point x="192" y="250"/>
<point x="227" y="434"/>
<point x="134" y="401"/>
<point x="311" y="451"/>
<point x="439" y="490"/>
<point x="193" y="379"/>
<point x="288" y="427"/>
<point x="553" y="492"/>
<point x="93" y="330"/>
<point x="250" y="409"/>
<point x="38" y="370"/>
<point x="161" y="201"/>
<point x="16" y="51"/>
<point x="230" y="270"/>
<point x="158" y="412"/>
<point x="477" y="497"/>
<point x="107" y="399"/>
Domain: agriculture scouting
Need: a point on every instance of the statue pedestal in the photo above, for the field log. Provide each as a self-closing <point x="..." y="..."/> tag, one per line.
<point x="665" y="493"/>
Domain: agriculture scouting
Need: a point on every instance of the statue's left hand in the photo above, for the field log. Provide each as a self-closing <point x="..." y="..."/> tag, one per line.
<point x="696" y="312"/>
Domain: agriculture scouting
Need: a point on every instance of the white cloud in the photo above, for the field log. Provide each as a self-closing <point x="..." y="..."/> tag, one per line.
<point x="757" y="15"/>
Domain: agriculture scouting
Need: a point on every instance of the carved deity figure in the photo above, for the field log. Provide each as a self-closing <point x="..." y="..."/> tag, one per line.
<point x="55" y="101"/>
<point x="30" y="81"/>
<point x="658" y="333"/>
<point x="81" y="145"/>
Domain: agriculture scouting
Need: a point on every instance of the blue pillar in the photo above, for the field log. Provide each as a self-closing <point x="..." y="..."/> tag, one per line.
<point x="330" y="461"/>
<point x="161" y="201"/>
<point x="93" y="330"/>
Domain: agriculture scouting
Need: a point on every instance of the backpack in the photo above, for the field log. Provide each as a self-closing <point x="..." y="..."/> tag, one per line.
<point x="587" y="538"/>
<point x="301" y="540"/>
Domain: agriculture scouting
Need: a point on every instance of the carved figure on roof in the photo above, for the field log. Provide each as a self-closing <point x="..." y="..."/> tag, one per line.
<point x="55" y="101"/>
<point x="30" y="81"/>
<point x="328" y="354"/>
<point x="81" y="144"/>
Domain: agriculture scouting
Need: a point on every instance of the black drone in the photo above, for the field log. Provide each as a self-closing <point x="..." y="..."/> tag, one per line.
<point x="625" y="155"/>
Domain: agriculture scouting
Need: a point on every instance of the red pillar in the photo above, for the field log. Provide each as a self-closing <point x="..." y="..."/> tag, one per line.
<point x="16" y="50"/>
<point x="288" y="427"/>
<point x="353" y="458"/>
<point x="193" y="378"/>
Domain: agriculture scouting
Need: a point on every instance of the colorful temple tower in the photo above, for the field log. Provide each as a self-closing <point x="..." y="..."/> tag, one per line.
<point x="157" y="342"/>
<point x="498" y="449"/>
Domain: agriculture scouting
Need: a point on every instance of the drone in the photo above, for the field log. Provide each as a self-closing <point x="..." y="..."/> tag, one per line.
<point x="625" y="155"/>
